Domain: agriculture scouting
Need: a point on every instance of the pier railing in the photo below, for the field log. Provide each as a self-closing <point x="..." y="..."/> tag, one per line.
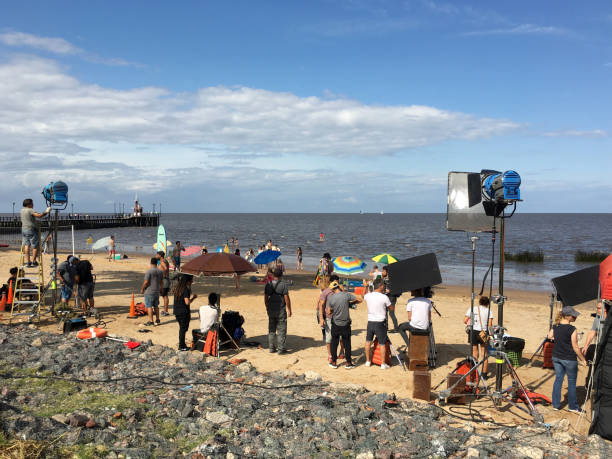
<point x="11" y="225"/>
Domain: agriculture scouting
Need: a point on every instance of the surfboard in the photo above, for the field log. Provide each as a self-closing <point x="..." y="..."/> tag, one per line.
<point x="161" y="239"/>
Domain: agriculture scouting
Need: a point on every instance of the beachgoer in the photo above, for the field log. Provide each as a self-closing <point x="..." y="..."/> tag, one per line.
<point x="48" y="241"/>
<point x="321" y="237"/>
<point x="278" y="306"/>
<point x="481" y="321"/>
<point x="176" y="255"/>
<point x="164" y="267"/>
<point x="419" y="315"/>
<point x="12" y="280"/>
<point x="300" y="266"/>
<point x="236" y="243"/>
<point x="375" y="273"/>
<point x="325" y="268"/>
<point x="338" y="305"/>
<point x="325" y="321"/>
<point x="280" y="265"/>
<point x="588" y="350"/>
<point x="208" y="314"/>
<point x="237" y="252"/>
<point x="111" y="249"/>
<point x="377" y="303"/>
<point x="151" y="289"/>
<point x="66" y="272"/>
<point x="29" y="231"/>
<point x="269" y="245"/>
<point x="269" y="275"/>
<point x="182" y="303"/>
<point x="564" y="354"/>
<point x="204" y="250"/>
<point x="85" y="281"/>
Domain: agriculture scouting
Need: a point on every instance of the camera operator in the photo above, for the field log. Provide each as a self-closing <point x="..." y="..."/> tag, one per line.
<point x="419" y="313"/>
<point x="478" y="324"/>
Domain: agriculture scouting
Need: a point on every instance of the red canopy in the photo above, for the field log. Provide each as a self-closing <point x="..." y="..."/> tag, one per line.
<point x="214" y="264"/>
<point x="605" y="278"/>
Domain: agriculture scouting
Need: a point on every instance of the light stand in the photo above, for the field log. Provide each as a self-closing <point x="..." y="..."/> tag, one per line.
<point x="473" y="239"/>
<point x="550" y="322"/>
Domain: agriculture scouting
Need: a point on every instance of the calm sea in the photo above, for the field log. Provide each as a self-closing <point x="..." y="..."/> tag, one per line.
<point x="559" y="236"/>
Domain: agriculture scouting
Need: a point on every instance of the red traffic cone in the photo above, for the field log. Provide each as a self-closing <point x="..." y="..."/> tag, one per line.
<point x="132" y="309"/>
<point x="2" y="303"/>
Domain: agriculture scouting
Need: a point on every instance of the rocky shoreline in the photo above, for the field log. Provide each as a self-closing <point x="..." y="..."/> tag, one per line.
<point x="100" y="399"/>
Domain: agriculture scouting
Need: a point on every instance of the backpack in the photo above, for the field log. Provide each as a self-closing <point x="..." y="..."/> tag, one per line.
<point x="275" y="300"/>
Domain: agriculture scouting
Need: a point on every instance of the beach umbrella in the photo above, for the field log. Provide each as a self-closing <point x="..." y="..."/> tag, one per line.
<point x="384" y="258"/>
<point x="101" y="243"/>
<point x="220" y="249"/>
<point x="217" y="264"/>
<point x="348" y="265"/>
<point x="191" y="250"/>
<point x="267" y="256"/>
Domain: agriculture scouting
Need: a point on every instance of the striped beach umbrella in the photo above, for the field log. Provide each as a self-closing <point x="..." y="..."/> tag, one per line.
<point x="384" y="258"/>
<point x="348" y="265"/>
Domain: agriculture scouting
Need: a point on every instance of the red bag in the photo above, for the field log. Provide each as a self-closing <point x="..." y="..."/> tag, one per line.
<point x="210" y="346"/>
<point x="140" y="309"/>
<point x="547" y="354"/>
<point x="463" y="368"/>
<point x="376" y="357"/>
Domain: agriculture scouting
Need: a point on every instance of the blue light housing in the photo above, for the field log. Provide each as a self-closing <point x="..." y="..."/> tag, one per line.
<point x="56" y="194"/>
<point x="502" y="186"/>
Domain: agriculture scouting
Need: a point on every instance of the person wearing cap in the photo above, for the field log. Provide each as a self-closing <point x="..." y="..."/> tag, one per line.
<point x="325" y="321"/>
<point x="66" y="272"/>
<point x="565" y="357"/>
<point x="338" y="305"/>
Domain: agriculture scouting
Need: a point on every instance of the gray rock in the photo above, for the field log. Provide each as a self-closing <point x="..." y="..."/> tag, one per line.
<point x="62" y="419"/>
<point x="77" y="419"/>
<point x="37" y="342"/>
<point x="217" y="417"/>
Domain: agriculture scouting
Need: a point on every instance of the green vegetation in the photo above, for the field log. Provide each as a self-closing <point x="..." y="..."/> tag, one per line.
<point x="526" y="256"/>
<point x="167" y="429"/>
<point x="67" y="396"/>
<point x="589" y="257"/>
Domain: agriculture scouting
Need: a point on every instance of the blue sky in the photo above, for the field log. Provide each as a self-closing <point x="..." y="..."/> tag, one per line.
<point x="335" y="106"/>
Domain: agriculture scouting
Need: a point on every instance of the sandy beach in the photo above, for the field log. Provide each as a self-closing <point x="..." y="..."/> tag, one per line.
<point x="525" y="315"/>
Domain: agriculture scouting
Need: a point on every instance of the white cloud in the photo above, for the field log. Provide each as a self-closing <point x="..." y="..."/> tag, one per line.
<point x="576" y="133"/>
<point x="521" y="29"/>
<point x="59" y="46"/>
<point x="50" y="44"/>
<point x="42" y="105"/>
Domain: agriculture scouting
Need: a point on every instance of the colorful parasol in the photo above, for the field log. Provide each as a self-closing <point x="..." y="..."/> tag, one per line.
<point x="384" y="258"/>
<point x="267" y="256"/>
<point x="348" y="265"/>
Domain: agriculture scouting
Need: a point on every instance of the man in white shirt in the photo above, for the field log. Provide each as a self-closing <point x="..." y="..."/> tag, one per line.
<point x="377" y="303"/>
<point x="208" y="314"/>
<point x="419" y="314"/>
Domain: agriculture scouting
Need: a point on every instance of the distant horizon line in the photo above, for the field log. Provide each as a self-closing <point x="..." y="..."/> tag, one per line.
<point x="302" y="213"/>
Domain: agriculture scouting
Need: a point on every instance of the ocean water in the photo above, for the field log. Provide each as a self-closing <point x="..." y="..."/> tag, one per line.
<point x="559" y="236"/>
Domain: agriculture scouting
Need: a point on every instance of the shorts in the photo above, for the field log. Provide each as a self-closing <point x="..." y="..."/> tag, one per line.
<point x="66" y="292"/>
<point x="165" y="291"/>
<point x="379" y="329"/>
<point x="177" y="260"/>
<point x="86" y="290"/>
<point x="326" y="329"/>
<point x="151" y="301"/>
<point x="30" y="237"/>
<point x="475" y="337"/>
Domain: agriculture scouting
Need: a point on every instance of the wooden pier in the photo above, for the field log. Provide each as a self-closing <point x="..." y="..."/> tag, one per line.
<point x="10" y="225"/>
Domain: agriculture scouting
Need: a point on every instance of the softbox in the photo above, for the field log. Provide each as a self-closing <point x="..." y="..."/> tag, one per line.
<point x="605" y="278"/>
<point x="578" y="287"/>
<point x="414" y="273"/>
<point x="464" y="211"/>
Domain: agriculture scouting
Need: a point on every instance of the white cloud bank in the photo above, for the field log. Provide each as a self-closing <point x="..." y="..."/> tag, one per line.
<point x="43" y="107"/>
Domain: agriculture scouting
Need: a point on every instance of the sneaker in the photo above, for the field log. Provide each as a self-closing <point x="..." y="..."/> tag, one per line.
<point x="349" y="366"/>
<point x="333" y="365"/>
<point x="556" y="409"/>
<point x="157" y="322"/>
<point x="183" y="349"/>
<point x="577" y="410"/>
<point x="368" y="364"/>
<point x="282" y="351"/>
<point x="28" y="265"/>
<point x="272" y="350"/>
<point x="165" y="313"/>
<point x="34" y="264"/>
<point x="148" y="324"/>
<point x="384" y="366"/>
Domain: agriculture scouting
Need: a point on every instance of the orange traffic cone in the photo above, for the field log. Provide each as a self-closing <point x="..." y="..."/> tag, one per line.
<point x="9" y="300"/>
<point x="132" y="309"/>
<point x="2" y="304"/>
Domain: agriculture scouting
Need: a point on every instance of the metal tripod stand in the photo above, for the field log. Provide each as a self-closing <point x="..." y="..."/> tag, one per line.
<point x="497" y="396"/>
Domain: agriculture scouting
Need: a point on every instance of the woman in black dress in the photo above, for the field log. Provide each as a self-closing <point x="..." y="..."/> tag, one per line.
<point x="182" y="303"/>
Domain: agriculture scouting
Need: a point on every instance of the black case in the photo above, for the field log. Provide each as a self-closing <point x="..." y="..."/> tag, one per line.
<point x="78" y="323"/>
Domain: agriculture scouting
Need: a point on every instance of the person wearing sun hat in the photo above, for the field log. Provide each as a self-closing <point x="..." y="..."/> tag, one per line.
<point x="565" y="357"/>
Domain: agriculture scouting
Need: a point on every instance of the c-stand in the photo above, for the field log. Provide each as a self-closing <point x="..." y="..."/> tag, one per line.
<point x="550" y="322"/>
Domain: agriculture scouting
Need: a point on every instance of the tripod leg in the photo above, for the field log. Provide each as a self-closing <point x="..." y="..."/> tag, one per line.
<point x="537" y="350"/>
<point x="230" y="337"/>
<point x="532" y="409"/>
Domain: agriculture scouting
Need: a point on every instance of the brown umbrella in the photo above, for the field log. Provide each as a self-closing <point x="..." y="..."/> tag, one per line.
<point x="216" y="264"/>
